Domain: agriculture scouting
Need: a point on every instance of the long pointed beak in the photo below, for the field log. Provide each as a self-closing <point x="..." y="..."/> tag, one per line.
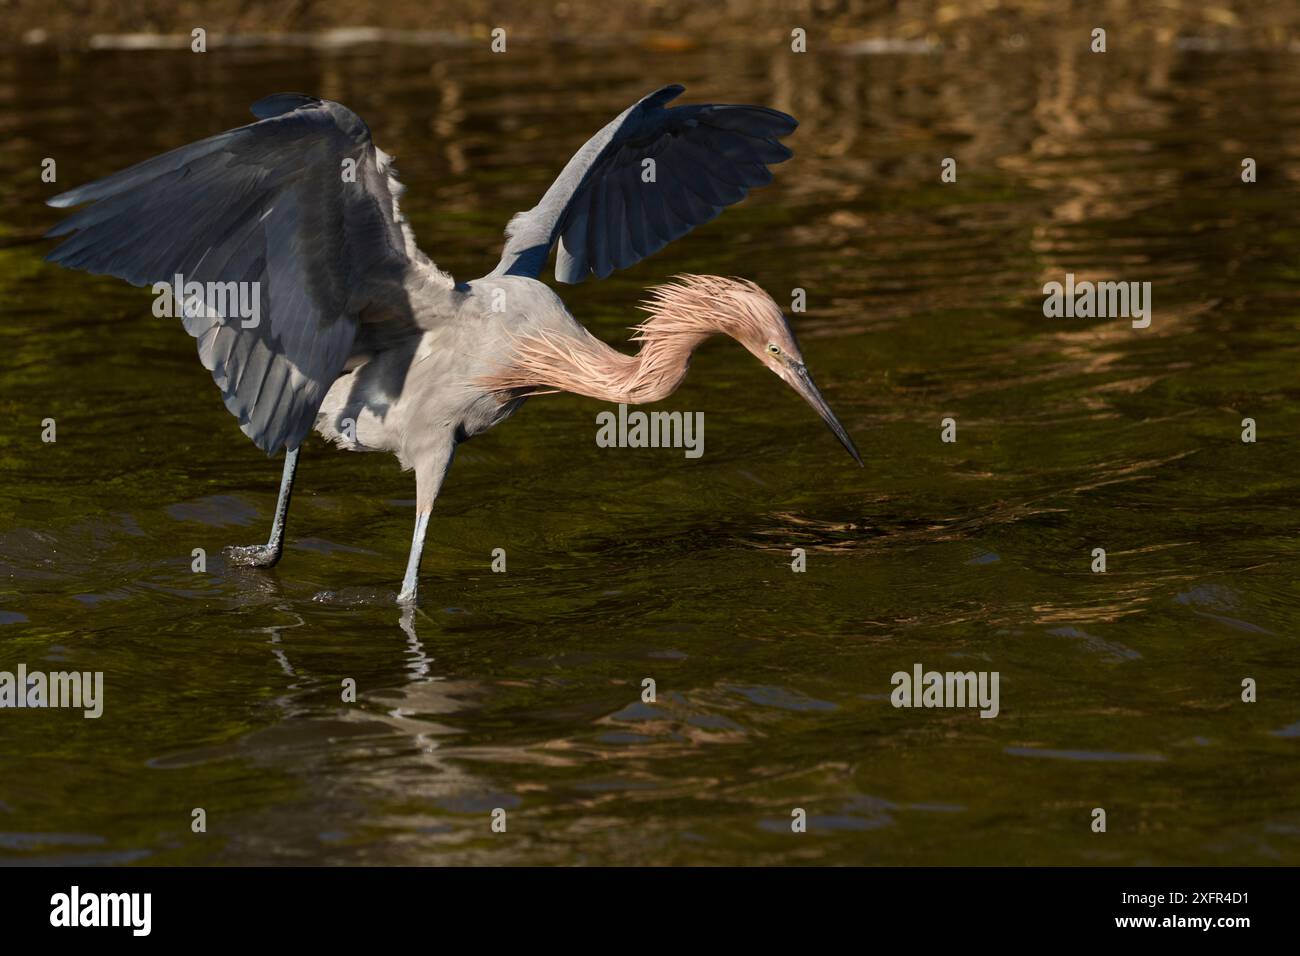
<point x="801" y="381"/>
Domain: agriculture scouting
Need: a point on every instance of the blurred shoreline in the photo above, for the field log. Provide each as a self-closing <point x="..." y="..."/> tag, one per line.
<point x="864" y="26"/>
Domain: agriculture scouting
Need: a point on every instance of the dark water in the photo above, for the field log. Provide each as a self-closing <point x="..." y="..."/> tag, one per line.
<point x="522" y="690"/>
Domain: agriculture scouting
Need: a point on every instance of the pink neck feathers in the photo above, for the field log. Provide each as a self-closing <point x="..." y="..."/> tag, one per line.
<point x="681" y="316"/>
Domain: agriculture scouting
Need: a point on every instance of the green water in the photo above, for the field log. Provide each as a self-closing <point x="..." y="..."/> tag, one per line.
<point x="522" y="690"/>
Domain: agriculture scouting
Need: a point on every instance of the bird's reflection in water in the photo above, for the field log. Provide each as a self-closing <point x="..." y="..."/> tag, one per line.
<point x="407" y="706"/>
<point x="380" y="781"/>
<point x="362" y="778"/>
<point x="419" y="661"/>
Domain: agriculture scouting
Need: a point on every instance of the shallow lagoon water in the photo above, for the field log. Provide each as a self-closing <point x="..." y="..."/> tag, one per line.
<point x="522" y="690"/>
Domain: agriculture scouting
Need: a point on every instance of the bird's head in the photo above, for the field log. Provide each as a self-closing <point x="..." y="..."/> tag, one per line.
<point x="740" y="309"/>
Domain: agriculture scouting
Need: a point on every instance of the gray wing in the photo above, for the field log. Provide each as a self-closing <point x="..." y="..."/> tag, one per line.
<point x="266" y="203"/>
<point x="606" y="217"/>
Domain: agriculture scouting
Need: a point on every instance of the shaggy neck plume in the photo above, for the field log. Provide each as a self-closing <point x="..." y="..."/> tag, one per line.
<point x="681" y="316"/>
<point x="587" y="366"/>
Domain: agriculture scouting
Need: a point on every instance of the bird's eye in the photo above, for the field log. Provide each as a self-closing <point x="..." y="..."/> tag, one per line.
<point x="774" y="349"/>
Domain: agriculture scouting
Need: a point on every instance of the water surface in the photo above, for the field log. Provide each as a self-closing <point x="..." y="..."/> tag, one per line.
<point x="522" y="690"/>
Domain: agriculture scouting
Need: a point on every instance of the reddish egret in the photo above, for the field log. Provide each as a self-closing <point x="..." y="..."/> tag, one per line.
<point x="358" y="334"/>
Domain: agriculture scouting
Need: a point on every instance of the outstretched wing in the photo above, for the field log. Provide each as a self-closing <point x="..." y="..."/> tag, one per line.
<point x="606" y="209"/>
<point x="301" y="203"/>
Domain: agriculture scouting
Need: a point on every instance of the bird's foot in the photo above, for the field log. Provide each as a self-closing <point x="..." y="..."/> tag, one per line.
<point x="406" y="598"/>
<point x="252" y="555"/>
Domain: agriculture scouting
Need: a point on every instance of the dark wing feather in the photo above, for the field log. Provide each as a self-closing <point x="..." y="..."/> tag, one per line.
<point x="265" y="203"/>
<point x="605" y="217"/>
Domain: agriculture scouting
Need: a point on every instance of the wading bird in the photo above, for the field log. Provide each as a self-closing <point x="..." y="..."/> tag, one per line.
<point x="362" y="337"/>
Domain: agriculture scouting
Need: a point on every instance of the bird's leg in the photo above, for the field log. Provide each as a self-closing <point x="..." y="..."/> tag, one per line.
<point x="411" y="582"/>
<point x="429" y="475"/>
<point x="266" y="555"/>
